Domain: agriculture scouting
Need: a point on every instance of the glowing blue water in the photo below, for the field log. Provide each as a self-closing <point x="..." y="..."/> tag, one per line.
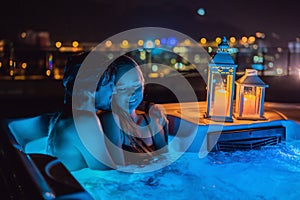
<point x="270" y="173"/>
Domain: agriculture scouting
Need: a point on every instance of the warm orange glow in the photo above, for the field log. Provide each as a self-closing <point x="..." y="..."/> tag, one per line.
<point x="0" y="64"/>
<point x="2" y="45"/>
<point x="75" y="44"/>
<point x="153" y="75"/>
<point x="220" y="102"/>
<point x="251" y="39"/>
<point x="187" y="42"/>
<point x="140" y="42"/>
<point x="11" y="63"/>
<point x="157" y="42"/>
<point x="244" y="39"/>
<point x="108" y="43"/>
<point x="125" y="42"/>
<point x="57" y="74"/>
<point x="218" y="40"/>
<point x="232" y="39"/>
<point x="24" y="65"/>
<point x="203" y="40"/>
<point x="73" y="49"/>
<point x="58" y="44"/>
<point x="249" y="104"/>
<point x="11" y="72"/>
<point x="260" y="35"/>
<point x="23" y="35"/>
<point x="48" y="72"/>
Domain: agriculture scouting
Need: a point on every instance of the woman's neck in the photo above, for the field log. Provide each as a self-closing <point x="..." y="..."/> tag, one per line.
<point x="134" y="116"/>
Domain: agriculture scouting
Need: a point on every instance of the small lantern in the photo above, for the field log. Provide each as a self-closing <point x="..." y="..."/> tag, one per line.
<point x="220" y="87"/>
<point x="250" y="94"/>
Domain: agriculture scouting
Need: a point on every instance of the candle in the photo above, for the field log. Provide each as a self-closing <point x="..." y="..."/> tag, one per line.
<point x="220" y="102"/>
<point x="249" y="104"/>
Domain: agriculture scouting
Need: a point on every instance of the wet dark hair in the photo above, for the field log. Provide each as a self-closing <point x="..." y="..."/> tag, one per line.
<point x="110" y="72"/>
<point x="70" y="72"/>
<point x="108" y="77"/>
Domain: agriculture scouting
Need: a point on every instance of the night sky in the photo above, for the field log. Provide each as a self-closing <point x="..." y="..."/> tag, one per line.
<point x="96" y="20"/>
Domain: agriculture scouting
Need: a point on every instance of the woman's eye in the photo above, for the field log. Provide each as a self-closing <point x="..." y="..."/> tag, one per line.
<point x="137" y="87"/>
<point x="121" y="89"/>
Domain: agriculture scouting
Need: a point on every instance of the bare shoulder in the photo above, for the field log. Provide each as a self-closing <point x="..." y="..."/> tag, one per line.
<point x="64" y="129"/>
<point x="84" y="119"/>
<point x="68" y="131"/>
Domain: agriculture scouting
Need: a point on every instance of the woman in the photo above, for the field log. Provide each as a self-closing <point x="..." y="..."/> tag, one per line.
<point x="141" y="135"/>
<point x="118" y="94"/>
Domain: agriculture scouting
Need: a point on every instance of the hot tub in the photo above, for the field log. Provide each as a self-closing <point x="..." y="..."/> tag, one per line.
<point x="33" y="175"/>
<point x="29" y="173"/>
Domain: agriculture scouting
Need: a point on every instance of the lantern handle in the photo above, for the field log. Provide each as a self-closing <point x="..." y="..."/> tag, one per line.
<point x="224" y="44"/>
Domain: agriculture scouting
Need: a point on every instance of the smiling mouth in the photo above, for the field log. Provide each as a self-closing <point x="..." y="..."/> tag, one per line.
<point x="132" y="100"/>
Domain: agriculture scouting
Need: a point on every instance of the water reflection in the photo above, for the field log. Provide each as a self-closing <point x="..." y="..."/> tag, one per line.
<point x="270" y="173"/>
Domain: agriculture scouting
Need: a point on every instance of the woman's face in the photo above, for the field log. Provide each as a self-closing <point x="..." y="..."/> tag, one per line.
<point x="129" y="86"/>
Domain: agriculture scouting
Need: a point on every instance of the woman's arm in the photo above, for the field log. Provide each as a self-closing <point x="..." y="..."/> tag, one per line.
<point x="114" y="137"/>
<point x="160" y="127"/>
<point x="93" y="145"/>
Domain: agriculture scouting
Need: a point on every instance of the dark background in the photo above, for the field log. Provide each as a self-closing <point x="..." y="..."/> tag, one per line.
<point x="96" y="20"/>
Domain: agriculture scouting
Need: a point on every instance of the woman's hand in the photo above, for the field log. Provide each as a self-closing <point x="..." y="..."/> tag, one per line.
<point x="157" y="113"/>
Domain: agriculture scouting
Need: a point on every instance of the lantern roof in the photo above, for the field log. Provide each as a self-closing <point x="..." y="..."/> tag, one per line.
<point x="223" y="44"/>
<point x="251" y="78"/>
<point x="222" y="55"/>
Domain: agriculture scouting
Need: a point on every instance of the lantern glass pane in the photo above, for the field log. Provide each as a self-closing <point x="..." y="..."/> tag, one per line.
<point x="237" y="100"/>
<point x="221" y="94"/>
<point x="259" y="100"/>
<point x="251" y="101"/>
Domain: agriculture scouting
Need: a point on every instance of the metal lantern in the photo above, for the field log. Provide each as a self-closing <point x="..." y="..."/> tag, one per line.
<point x="250" y="94"/>
<point x="220" y="88"/>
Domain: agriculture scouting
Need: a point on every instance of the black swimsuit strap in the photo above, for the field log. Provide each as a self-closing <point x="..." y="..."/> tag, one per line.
<point x="147" y="122"/>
